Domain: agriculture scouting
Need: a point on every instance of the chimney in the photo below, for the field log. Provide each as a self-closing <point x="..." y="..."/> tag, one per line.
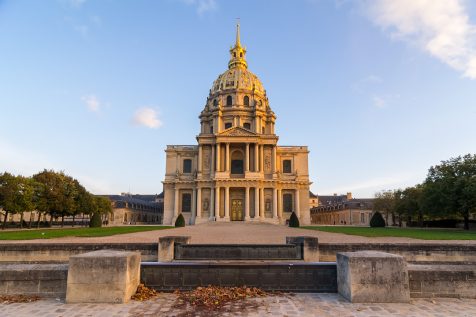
<point x="349" y="196"/>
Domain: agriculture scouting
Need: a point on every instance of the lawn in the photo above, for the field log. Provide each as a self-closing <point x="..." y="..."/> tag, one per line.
<point x="416" y="233"/>
<point x="74" y="232"/>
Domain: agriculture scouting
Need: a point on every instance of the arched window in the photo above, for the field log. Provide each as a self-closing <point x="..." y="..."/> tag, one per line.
<point x="228" y="125"/>
<point x="215" y="103"/>
<point x="247" y="125"/>
<point x="229" y="100"/>
<point x="246" y="101"/>
<point x="241" y="54"/>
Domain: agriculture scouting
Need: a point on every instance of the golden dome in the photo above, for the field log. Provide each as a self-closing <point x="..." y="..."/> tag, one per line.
<point x="237" y="78"/>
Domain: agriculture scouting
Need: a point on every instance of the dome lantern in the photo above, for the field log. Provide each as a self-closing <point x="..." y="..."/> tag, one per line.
<point x="237" y="53"/>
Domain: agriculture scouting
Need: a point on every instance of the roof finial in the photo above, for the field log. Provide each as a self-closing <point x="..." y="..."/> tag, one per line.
<point x="238" y="33"/>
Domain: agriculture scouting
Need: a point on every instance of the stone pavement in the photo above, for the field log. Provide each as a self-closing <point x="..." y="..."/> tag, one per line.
<point x="237" y="232"/>
<point x="274" y="305"/>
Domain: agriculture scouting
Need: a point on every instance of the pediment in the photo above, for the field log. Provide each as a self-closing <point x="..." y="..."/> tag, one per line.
<point x="237" y="131"/>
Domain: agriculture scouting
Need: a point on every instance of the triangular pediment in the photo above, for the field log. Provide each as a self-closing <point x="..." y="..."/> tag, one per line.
<point x="237" y="131"/>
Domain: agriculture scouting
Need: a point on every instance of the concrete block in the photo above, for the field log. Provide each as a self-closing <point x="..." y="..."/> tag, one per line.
<point x="372" y="277"/>
<point x="310" y="247"/>
<point x="104" y="276"/>
<point x="167" y="246"/>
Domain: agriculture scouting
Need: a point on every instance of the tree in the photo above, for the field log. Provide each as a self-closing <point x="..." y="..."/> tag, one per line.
<point x="385" y="202"/>
<point x="8" y="195"/>
<point x="293" y="220"/>
<point x="377" y="220"/>
<point x="180" y="221"/>
<point x="450" y="188"/>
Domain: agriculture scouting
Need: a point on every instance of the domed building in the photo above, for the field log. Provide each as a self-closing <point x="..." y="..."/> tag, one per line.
<point x="237" y="172"/>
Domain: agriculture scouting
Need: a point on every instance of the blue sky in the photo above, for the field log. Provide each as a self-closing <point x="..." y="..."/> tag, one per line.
<point x="378" y="90"/>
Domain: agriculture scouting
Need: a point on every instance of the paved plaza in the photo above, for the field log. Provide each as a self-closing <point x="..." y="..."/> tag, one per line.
<point x="274" y="305"/>
<point x="239" y="233"/>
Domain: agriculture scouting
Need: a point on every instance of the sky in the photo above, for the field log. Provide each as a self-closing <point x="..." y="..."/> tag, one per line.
<point x="378" y="90"/>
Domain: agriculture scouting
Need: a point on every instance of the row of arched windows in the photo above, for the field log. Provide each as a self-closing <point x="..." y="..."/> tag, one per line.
<point x="229" y="101"/>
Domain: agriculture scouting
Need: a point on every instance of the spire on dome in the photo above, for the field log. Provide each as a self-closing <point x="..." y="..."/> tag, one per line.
<point x="237" y="43"/>
<point x="237" y="53"/>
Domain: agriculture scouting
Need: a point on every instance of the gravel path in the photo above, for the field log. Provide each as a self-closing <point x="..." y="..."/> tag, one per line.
<point x="233" y="232"/>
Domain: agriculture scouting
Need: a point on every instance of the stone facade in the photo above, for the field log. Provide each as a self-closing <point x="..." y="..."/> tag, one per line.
<point x="237" y="172"/>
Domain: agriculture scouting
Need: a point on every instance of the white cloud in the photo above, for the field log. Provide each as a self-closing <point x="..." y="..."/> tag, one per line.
<point x="92" y="103"/>
<point x="202" y="6"/>
<point x="147" y="117"/>
<point x="379" y="102"/>
<point x="440" y="27"/>
<point x="76" y="3"/>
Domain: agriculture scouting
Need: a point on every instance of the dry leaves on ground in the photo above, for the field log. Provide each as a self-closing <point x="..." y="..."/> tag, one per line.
<point x="10" y="299"/>
<point x="215" y="297"/>
<point x="144" y="293"/>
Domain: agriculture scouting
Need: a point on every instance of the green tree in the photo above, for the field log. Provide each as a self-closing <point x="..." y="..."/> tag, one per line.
<point x="377" y="220"/>
<point x="9" y="188"/>
<point x="385" y="202"/>
<point x="450" y="188"/>
<point x="180" y="221"/>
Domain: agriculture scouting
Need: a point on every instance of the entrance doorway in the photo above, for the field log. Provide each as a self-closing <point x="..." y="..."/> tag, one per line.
<point x="237" y="210"/>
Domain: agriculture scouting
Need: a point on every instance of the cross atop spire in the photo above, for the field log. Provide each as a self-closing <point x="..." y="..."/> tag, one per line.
<point x="237" y="58"/>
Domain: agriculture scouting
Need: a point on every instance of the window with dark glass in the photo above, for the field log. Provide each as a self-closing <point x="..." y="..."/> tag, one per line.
<point x="229" y="100"/>
<point x="287" y="202"/>
<point x="211" y="129"/>
<point x="215" y="103"/>
<point x="186" y="202"/>
<point x="237" y="166"/>
<point x="187" y="166"/>
<point x="247" y="126"/>
<point x="286" y="166"/>
<point x="246" y="101"/>
<point x="228" y="125"/>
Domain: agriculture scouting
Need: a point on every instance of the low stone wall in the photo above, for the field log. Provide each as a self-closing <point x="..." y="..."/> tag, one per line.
<point x="295" y="277"/>
<point x="238" y="252"/>
<point x="60" y="252"/>
<point x="45" y="280"/>
<point x="412" y="252"/>
<point x="442" y="281"/>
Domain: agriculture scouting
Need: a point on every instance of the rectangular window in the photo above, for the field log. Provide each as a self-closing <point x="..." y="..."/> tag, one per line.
<point x="287" y="202"/>
<point x="247" y="126"/>
<point x="362" y="218"/>
<point x="286" y="166"/>
<point x="186" y="202"/>
<point x="228" y="125"/>
<point x="187" y="166"/>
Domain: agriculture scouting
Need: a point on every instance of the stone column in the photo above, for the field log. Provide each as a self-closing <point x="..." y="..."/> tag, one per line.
<point x="261" y="205"/>
<point x="247" y="203"/>
<point x="227" y="157"/>
<point x="280" y="203"/>
<point x="247" y="157"/>
<point x="296" y="199"/>
<point x="212" y="165"/>
<point x="256" y="158"/>
<point x="274" y="159"/>
<point x="217" y="202"/>
<point x="199" y="203"/>
<point x="200" y="153"/>
<point x="257" y="212"/>
<point x="227" y="203"/>
<point x="176" y="203"/>
<point x="194" y="205"/>
<point x="275" y="203"/>
<point x="218" y="158"/>
<point x="212" y="203"/>
<point x="261" y="158"/>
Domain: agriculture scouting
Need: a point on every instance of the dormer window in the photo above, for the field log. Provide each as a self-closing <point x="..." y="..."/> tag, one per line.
<point x="229" y="101"/>
<point x="215" y="103"/>
<point x="228" y="125"/>
<point x="247" y="126"/>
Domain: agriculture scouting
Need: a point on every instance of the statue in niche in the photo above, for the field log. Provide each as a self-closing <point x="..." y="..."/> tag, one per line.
<point x="205" y="204"/>
<point x="206" y="160"/>
<point x="268" y="205"/>
<point x="267" y="161"/>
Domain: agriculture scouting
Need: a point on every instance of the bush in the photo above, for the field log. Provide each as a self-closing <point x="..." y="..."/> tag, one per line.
<point x="377" y="220"/>
<point x="294" y="221"/>
<point x="180" y="222"/>
<point x="95" y="221"/>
